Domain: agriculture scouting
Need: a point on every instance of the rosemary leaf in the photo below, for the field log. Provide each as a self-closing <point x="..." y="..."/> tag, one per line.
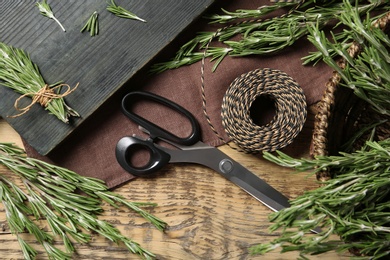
<point x="227" y="16"/>
<point x="113" y="199"/>
<point x="29" y="253"/>
<point x="92" y="25"/>
<point x="122" y="12"/>
<point x="45" y="10"/>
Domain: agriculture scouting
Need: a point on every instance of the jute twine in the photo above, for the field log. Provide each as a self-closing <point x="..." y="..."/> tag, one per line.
<point x="263" y="136"/>
<point x="43" y="97"/>
<point x="290" y="106"/>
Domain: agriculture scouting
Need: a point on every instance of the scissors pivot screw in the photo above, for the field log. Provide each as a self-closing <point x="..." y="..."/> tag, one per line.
<point x="226" y="165"/>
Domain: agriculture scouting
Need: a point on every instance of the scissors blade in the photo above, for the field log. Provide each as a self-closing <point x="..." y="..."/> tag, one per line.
<point x="258" y="188"/>
<point x="215" y="159"/>
<point x="233" y="171"/>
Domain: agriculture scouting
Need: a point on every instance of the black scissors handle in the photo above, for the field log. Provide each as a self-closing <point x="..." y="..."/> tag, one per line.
<point x="154" y="130"/>
<point x="129" y="144"/>
<point x="157" y="157"/>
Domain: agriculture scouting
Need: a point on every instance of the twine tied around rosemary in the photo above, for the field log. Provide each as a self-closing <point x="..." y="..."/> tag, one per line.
<point x="43" y="97"/>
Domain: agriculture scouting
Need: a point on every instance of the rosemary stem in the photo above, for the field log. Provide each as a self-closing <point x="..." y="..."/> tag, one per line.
<point x="59" y="23"/>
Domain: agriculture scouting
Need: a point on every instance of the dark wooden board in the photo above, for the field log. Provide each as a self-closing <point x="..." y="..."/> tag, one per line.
<point x="100" y="64"/>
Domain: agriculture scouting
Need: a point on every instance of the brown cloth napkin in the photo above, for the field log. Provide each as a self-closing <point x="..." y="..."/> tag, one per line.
<point x="90" y="150"/>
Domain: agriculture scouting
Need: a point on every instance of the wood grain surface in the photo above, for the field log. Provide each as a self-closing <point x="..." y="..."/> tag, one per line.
<point x="100" y="64"/>
<point x="208" y="217"/>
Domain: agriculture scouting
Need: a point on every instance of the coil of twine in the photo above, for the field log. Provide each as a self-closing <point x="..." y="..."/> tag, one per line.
<point x="290" y="103"/>
<point x="290" y="114"/>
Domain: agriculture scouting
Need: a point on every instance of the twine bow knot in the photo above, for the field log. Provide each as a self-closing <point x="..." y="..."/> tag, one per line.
<point x="43" y="97"/>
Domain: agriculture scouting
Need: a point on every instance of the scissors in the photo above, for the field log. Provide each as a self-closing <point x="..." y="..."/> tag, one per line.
<point x="190" y="150"/>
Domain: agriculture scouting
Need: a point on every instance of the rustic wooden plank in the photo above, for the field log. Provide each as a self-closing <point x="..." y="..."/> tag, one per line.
<point x="101" y="64"/>
<point x="208" y="217"/>
<point x="8" y="134"/>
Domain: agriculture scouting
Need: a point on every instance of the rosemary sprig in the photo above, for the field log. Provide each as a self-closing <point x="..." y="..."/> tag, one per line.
<point x="45" y="10"/>
<point x="53" y="193"/>
<point x="261" y="37"/>
<point x="92" y="25"/>
<point x="228" y="16"/>
<point x="367" y="74"/>
<point x="122" y="12"/>
<point x="354" y="205"/>
<point x="19" y="73"/>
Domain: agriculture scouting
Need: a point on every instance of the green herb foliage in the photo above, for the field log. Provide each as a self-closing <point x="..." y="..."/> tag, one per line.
<point x="122" y="12"/>
<point x="354" y="205"/>
<point x="19" y="73"/>
<point x="45" y="10"/>
<point x="260" y="35"/>
<point x="53" y="193"/>
<point x="92" y="25"/>
<point x="368" y="75"/>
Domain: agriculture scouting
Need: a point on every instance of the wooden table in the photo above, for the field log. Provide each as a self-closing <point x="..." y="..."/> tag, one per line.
<point x="208" y="217"/>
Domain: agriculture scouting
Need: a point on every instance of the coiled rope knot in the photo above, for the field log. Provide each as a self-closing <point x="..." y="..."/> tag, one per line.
<point x="290" y="115"/>
<point x="43" y="97"/>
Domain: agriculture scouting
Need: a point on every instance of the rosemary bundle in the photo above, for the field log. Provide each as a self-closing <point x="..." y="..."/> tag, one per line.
<point x="19" y="73"/>
<point x="53" y="194"/>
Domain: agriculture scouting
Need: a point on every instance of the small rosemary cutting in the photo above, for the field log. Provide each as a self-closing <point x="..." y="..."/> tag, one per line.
<point x="68" y="203"/>
<point x="122" y="12"/>
<point x="92" y="25"/>
<point x="19" y="73"/>
<point x="45" y="10"/>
